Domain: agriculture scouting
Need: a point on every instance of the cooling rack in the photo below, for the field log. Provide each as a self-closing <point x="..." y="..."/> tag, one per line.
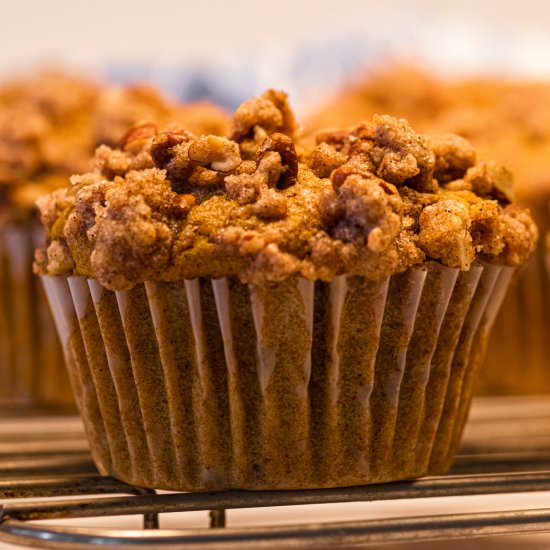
<point x="47" y="473"/>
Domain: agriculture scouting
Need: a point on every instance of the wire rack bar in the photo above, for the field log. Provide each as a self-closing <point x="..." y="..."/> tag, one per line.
<point x="304" y="536"/>
<point x="35" y="467"/>
<point x="431" y="487"/>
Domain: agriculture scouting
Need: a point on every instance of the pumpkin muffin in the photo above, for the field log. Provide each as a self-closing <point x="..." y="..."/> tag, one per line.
<point x="50" y="124"/>
<point x="507" y="121"/>
<point x="248" y="312"/>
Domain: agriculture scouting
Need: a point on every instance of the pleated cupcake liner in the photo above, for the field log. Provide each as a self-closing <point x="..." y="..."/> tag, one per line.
<point x="31" y="359"/>
<point x="212" y="384"/>
<point x="517" y="360"/>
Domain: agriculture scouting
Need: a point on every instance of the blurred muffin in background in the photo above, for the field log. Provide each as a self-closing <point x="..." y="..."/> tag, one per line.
<point x="50" y="124"/>
<point x="507" y="121"/>
<point x="44" y="137"/>
<point x="118" y="109"/>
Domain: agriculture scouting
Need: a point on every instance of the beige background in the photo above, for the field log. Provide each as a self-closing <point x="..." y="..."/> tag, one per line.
<point x="98" y="30"/>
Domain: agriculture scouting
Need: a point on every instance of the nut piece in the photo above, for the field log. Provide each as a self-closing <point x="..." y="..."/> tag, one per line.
<point x="162" y="148"/>
<point x="282" y="144"/>
<point x="340" y="175"/>
<point x="387" y="147"/>
<point x="134" y="139"/>
<point x="219" y="153"/>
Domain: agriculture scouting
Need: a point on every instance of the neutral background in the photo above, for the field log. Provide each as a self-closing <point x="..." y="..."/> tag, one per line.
<point x="114" y="30"/>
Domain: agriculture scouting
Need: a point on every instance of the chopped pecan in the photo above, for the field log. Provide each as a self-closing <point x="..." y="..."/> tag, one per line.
<point x="282" y="144"/>
<point x="201" y="176"/>
<point x="134" y="139"/>
<point x="219" y="153"/>
<point x="162" y="148"/>
<point x="340" y="175"/>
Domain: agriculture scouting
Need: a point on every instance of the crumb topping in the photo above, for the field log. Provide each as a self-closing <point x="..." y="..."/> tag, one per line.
<point x="373" y="200"/>
<point x="507" y="121"/>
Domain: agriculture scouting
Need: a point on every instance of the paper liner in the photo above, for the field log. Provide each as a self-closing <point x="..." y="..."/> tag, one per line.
<point x="212" y="384"/>
<point x="31" y="360"/>
<point x="517" y="360"/>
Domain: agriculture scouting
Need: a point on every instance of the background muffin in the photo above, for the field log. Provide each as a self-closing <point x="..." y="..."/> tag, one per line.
<point x="50" y="124"/>
<point x="253" y="314"/>
<point x="507" y="121"/>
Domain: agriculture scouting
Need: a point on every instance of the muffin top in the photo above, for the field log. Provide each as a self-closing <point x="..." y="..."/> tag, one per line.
<point x="508" y="121"/>
<point x="51" y="122"/>
<point x="372" y="200"/>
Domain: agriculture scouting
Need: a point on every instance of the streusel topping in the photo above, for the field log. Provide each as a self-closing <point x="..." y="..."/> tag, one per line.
<point x="508" y="121"/>
<point x="371" y="201"/>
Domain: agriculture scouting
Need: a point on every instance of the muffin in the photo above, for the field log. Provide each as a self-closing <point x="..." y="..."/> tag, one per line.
<point x="509" y="122"/>
<point x="50" y="124"/>
<point x="254" y="313"/>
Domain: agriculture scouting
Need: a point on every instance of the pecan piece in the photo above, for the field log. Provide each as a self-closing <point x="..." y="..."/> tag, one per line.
<point x="282" y="144"/>
<point x="340" y="175"/>
<point x="163" y="145"/>
<point x="134" y="139"/>
<point x="219" y="153"/>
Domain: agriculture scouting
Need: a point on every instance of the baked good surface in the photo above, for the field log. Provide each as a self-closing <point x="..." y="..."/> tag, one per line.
<point x="262" y="204"/>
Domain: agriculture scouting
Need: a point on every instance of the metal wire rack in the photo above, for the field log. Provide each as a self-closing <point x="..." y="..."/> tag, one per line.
<point x="506" y="450"/>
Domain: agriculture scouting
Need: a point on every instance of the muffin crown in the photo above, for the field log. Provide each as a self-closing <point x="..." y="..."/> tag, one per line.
<point x="263" y="205"/>
<point x="508" y="120"/>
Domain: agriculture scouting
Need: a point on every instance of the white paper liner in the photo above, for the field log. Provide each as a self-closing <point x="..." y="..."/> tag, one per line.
<point x="125" y="404"/>
<point x="31" y="360"/>
<point x="386" y="402"/>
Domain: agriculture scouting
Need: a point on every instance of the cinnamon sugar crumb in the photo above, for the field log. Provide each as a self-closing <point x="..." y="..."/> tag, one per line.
<point x="371" y="201"/>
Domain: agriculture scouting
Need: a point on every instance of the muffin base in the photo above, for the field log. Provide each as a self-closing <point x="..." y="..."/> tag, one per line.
<point x="212" y="384"/>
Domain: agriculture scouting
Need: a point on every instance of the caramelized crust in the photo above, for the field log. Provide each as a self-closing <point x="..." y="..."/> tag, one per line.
<point x="372" y="201"/>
